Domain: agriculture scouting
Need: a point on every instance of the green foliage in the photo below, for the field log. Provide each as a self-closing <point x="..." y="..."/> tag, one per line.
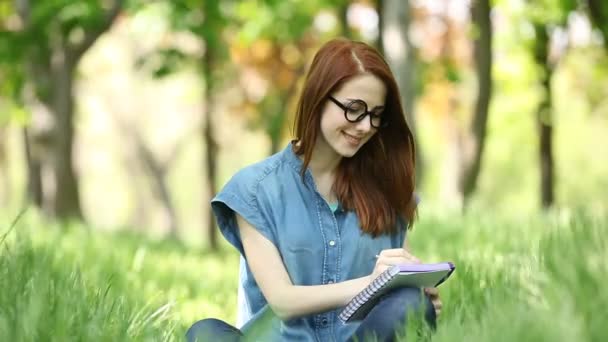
<point x="42" y="299"/>
<point x="533" y="278"/>
<point x="11" y="48"/>
<point x="518" y="278"/>
<point x="552" y="12"/>
<point x="67" y="283"/>
<point x="32" y="35"/>
<point x="545" y="15"/>
<point x="281" y="21"/>
<point x="205" y="20"/>
<point x="598" y="13"/>
<point x="581" y="289"/>
<point x="49" y="21"/>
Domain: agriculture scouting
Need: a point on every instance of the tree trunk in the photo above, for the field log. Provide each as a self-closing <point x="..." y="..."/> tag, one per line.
<point x="211" y="149"/>
<point x="51" y="66"/>
<point x="544" y="116"/>
<point x="67" y="198"/>
<point x="598" y="13"/>
<point x="139" y="217"/>
<point x="158" y="172"/>
<point x="64" y="62"/>
<point x="343" y="9"/>
<point x="380" y="41"/>
<point x="475" y="142"/>
<point x="5" y="190"/>
<point x="40" y="137"/>
<point x="546" y="153"/>
<point x="400" y="54"/>
<point x="34" y="174"/>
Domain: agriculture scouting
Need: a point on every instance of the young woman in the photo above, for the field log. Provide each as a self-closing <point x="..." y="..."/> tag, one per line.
<point x="317" y="222"/>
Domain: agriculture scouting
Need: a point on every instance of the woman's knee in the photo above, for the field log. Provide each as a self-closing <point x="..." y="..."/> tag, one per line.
<point x="212" y="329"/>
<point x="405" y="297"/>
<point x="410" y="301"/>
<point x="410" y="293"/>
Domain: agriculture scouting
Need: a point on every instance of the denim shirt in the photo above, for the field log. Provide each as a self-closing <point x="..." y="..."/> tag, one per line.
<point x="317" y="245"/>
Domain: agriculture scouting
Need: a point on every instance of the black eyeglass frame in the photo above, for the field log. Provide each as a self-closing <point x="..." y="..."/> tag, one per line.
<point x="345" y="108"/>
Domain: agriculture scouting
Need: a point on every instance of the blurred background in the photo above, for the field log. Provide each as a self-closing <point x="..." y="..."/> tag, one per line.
<point x="131" y="114"/>
<point x="120" y="119"/>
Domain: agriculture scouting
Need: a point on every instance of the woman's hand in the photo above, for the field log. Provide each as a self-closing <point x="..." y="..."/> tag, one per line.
<point x="391" y="257"/>
<point x="434" y="295"/>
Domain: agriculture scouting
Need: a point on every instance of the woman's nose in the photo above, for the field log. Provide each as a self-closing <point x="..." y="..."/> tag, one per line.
<point x="364" y="125"/>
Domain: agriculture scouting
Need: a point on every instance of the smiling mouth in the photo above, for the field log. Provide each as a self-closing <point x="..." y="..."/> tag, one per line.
<point x="352" y="139"/>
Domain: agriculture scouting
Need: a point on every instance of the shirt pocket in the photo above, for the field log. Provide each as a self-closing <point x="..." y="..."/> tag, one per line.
<point x="302" y="250"/>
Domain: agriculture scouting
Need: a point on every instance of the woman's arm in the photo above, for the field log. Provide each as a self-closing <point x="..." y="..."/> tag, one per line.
<point x="288" y="300"/>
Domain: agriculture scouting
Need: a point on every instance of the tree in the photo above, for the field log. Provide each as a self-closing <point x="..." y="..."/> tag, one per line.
<point x="544" y="114"/>
<point x="343" y="19"/>
<point x="4" y="180"/>
<point x="211" y="34"/>
<point x="598" y="13"/>
<point x="158" y="170"/>
<point x="546" y="16"/>
<point x="278" y="27"/>
<point x="395" y="19"/>
<point x="50" y="41"/>
<point x="475" y="141"/>
<point x="443" y="64"/>
<point x="276" y="22"/>
<point x="206" y="21"/>
<point x="12" y="75"/>
<point x="283" y="30"/>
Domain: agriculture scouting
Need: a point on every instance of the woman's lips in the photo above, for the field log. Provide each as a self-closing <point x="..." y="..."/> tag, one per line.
<point x="352" y="139"/>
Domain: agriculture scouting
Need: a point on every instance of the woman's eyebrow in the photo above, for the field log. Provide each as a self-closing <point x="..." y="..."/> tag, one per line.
<point x="376" y="107"/>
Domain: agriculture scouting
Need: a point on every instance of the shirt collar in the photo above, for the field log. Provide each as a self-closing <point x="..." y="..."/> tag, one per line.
<point x="291" y="158"/>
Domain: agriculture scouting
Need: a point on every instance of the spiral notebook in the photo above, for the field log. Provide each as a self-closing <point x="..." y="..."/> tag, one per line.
<point x="416" y="275"/>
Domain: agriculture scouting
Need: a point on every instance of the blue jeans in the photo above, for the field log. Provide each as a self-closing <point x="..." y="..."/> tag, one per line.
<point x="383" y="321"/>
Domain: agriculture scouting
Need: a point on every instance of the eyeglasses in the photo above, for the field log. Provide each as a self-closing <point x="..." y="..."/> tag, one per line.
<point x="356" y="110"/>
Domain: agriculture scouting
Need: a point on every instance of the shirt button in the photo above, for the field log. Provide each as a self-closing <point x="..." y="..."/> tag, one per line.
<point x="324" y="321"/>
<point x="332" y="243"/>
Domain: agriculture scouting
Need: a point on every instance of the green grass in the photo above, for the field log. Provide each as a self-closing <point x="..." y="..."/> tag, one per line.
<point x="528" y="279"/>
<point x="63" y="283"/>
<point x="534" y="278"/>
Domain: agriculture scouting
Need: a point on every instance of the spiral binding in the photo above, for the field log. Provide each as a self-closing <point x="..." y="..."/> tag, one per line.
<point x="365" y="295"/>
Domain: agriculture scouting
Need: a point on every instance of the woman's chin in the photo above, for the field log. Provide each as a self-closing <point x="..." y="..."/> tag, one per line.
<point x="348" y="151"/>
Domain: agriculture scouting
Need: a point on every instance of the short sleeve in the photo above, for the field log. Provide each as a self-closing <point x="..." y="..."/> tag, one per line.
<point x="241" y="195"/>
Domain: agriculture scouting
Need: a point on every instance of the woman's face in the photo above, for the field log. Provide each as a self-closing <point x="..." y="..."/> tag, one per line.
<point x="343" y="136"/>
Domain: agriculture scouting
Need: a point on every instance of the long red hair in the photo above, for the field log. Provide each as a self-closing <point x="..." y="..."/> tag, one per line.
<point x="378" y="181"/>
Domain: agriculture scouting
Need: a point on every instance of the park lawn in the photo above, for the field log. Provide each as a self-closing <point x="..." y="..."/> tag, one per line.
<point x="532" y="278"/>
